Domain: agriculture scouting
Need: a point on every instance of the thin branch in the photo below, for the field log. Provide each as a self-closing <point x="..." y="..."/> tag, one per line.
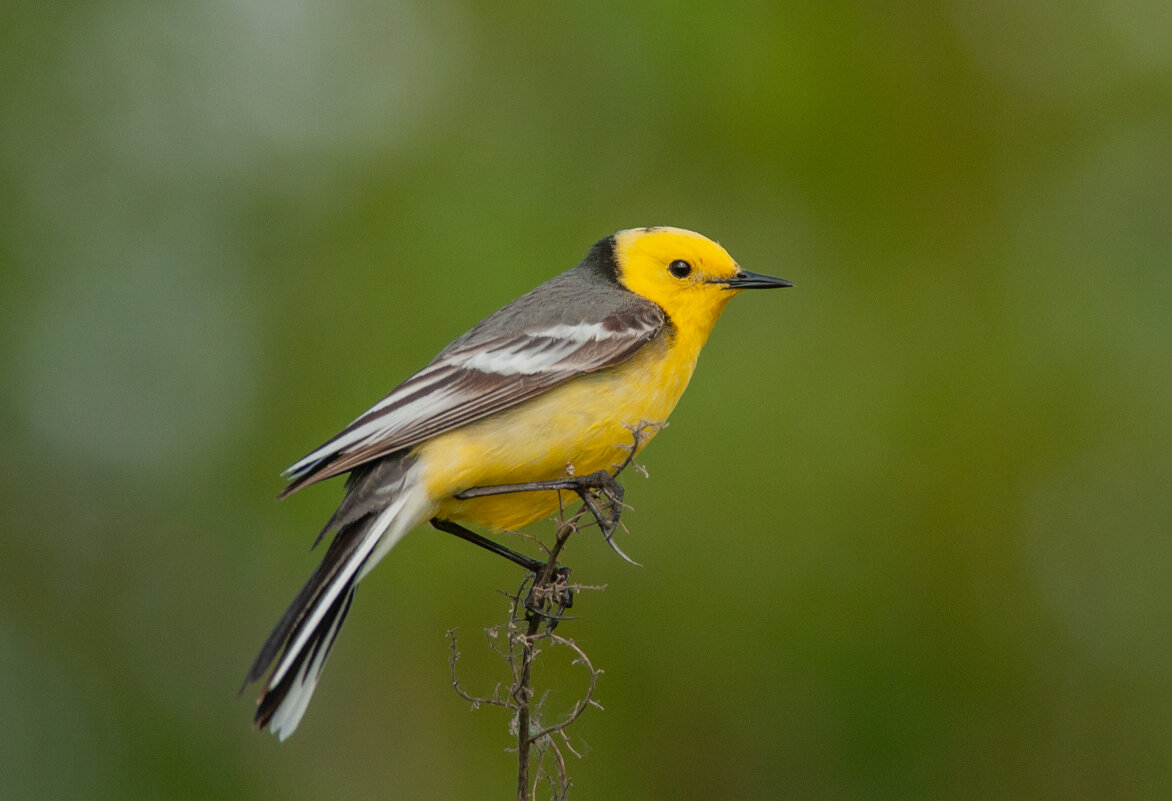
<point x="534" y="613"/>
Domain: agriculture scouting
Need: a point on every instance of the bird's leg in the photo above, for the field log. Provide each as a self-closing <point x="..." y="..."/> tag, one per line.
<point x="534" y="566"/>
<point x="561" y="575"/>
<point x="599" y="483"/>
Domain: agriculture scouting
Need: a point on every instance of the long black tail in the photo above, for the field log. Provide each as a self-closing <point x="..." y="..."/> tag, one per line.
<point x="383" y="502"/>
<point x="283" y="704"/>
<point x="306" y="632"/>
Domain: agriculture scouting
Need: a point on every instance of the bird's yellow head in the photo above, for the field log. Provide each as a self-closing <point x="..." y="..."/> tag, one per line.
<point x="688" y="275"/>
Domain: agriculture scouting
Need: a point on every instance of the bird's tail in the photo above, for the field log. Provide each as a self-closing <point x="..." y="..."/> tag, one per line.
<point x="306" y="632"/>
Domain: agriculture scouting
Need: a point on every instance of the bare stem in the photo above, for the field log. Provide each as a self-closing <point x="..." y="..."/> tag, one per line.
<point x="523" y="694"/>
<point x="549" y="594"/>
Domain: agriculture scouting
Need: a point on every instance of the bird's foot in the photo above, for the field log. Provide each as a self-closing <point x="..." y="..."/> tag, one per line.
<point x="597" y="490"/>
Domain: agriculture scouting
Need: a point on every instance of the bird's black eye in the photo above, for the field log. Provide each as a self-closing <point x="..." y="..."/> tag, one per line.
<point x="680" y="268"/>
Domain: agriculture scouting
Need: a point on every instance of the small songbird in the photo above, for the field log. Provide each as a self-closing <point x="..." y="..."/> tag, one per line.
<point x="549" y="387"/>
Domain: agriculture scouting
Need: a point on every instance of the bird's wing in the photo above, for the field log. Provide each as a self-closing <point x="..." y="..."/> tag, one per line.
<point x="475" y="377"/>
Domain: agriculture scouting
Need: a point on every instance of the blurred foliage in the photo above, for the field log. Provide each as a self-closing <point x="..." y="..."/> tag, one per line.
<point x="907" y="537"/>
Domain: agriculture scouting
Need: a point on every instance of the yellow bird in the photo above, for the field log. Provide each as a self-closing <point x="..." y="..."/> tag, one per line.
<point x="549" y="386"/>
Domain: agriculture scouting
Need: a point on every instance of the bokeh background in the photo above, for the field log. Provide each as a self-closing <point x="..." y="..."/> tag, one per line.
<point x="908" y="535"/>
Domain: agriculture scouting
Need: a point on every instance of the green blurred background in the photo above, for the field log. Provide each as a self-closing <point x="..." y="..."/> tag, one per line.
<point x="907" y="537"/>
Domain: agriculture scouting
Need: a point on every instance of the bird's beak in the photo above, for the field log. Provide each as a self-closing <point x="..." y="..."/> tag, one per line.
<point x="747" y="280"/>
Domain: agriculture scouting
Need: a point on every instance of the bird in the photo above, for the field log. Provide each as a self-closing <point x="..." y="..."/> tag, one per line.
<point x="548" y="388"/>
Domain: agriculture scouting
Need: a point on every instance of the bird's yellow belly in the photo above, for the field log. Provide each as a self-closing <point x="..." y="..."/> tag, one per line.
<point x="579" y="428"/>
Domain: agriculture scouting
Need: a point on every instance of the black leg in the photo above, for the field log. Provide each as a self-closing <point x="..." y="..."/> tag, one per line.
<point x="532" y="565"/>
<point x="565" y="597"/>
<point x="602" y="482"/>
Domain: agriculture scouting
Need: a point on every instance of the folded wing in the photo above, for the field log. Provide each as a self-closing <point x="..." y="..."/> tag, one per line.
<point x="476" y="377"/>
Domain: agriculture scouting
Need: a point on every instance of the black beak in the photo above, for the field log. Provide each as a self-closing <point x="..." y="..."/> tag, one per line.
<point x="747" y="280"/>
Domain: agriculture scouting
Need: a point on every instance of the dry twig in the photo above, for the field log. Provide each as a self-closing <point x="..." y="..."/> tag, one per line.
<point x="535" y="612"/>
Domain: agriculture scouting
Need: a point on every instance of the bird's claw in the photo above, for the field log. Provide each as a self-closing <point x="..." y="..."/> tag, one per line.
<point x="605" y="485"/>
<point x="558" y="591"/>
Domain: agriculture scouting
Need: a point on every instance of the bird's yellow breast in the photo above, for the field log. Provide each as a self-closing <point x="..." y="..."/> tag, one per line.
<point x="578" y="428"/>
